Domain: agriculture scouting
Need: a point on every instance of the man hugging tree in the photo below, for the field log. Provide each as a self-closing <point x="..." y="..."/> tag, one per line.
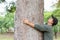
<point x="47" y="29"/>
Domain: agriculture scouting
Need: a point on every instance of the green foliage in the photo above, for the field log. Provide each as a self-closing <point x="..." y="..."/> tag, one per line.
<point x="11" y="7"/>
<point x="8" y="21"/>
<point x="2" y="1"/>
<point x="55" y="29"/>
<point x="47" y="15"/>
<point x="58" y="4"/>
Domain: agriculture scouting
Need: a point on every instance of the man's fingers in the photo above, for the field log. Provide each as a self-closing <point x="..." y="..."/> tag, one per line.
<point x="25" y="19"/>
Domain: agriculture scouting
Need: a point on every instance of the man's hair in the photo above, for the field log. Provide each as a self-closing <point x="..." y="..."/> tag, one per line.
<point x="55" y="20"/>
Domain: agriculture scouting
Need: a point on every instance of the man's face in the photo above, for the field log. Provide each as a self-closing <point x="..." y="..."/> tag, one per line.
<point x="50" y="20"/>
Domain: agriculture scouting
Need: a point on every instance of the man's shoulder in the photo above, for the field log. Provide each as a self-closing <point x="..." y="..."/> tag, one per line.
<point x="47" y="26"/>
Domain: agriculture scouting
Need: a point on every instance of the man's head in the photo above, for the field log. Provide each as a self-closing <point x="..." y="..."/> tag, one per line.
<point x="53" y="20"/>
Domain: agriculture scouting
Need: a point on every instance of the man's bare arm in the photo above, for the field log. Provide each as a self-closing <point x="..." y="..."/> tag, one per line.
<point x="36" y="26"/>
<point x="27" y="22"/>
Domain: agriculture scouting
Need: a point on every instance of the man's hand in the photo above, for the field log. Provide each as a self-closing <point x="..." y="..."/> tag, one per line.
<point x="26" y="21"/>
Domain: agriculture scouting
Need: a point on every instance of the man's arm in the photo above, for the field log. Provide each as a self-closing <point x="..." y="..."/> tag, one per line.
<point x="25" y="21"/>
<point x="36" y="26"/>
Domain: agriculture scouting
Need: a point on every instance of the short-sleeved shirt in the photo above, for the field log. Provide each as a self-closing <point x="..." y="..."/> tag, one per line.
<point x="48" y="33"/>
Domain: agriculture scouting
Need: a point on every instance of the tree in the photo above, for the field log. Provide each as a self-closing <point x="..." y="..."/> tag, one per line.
<point x="32" y="10"/>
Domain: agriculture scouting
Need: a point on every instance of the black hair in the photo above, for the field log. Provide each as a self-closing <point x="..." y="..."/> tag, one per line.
<point x="55" y="20"/>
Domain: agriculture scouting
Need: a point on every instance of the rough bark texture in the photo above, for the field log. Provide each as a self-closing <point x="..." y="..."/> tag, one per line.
<point x="33" y="11"/>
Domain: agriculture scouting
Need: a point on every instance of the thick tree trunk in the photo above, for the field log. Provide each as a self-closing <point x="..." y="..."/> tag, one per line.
<point x="33" y="11"/>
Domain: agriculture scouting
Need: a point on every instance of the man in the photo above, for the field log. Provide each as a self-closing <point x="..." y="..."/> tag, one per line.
<point x="47" y="29"/>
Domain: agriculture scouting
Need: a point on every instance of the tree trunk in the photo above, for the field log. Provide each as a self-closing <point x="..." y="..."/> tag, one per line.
<point x="33" y="11"/>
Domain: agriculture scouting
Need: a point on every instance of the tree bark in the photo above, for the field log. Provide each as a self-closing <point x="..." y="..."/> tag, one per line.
<point x="33" y="11"/>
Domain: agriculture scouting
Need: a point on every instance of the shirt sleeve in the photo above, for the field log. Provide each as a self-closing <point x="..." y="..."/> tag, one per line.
<point x="41" y="27"/>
